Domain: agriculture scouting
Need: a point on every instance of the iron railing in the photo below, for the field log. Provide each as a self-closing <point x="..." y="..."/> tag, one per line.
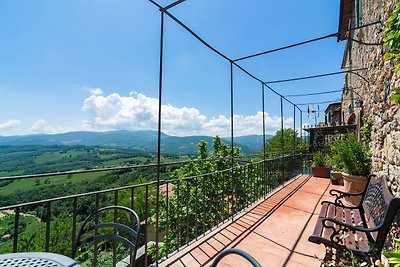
<point x="189" y="206"/>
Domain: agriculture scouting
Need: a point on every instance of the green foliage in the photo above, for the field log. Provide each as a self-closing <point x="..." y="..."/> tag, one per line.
<point x="391" y="40"/>
<point x="30" y="231"/>
<point x="394" y="256"/>
<point x="354" y="156"/>
<point x="396" y="96"/>
<point x="333" y="160"/>
<point x="319" y="159"/>
<point x="273" y="146"/>
<point x="199" y="203"/>
<point x="366" y="130"/>
<point x="151" y="251"/>
<point x="208" y="192"/>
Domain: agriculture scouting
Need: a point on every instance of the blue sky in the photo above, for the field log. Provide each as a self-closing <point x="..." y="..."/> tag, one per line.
<point x="93" y="64"/>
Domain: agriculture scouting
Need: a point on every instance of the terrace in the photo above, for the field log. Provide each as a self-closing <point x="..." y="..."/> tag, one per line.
<point x="274" y="230"/>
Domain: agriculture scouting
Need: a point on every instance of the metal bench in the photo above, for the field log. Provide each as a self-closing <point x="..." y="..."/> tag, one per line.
<point x="360" y="229"/>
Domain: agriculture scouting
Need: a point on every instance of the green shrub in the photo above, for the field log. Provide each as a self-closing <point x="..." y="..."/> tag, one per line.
<point x="355" y="156"/>
<point x="391" y="41"/>
<point x="319" y="159"/>
<point x="394" y="256"/>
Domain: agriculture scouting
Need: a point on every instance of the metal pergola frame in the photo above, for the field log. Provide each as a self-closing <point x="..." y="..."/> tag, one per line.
<point x="234" y="63"/>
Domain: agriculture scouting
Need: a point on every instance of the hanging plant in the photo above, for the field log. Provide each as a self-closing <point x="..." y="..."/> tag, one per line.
<point x="391" y="40"/>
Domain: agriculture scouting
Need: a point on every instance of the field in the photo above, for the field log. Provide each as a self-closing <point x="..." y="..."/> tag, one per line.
<point x="28" y="184"/>
<point x="28" y="160"/>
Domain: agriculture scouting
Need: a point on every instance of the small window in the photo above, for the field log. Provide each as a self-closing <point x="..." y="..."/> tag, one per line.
<point x="351" y="108"/>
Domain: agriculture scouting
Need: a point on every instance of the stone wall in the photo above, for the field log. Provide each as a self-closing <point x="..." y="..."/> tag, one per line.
<point x="376" y="91"/>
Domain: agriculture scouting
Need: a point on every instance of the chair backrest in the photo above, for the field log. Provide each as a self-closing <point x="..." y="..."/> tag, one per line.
<point x="100" y="227"/>
<point x="380" y="208"/>
<point x="236" y="251"/>
<point x="376" y="200"/>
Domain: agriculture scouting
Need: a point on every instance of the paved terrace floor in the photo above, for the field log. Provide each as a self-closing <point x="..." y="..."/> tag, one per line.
<point x="274" y="231"/>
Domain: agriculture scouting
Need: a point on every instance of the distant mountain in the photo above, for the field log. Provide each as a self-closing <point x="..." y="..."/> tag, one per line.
<point x="141" y="140"/>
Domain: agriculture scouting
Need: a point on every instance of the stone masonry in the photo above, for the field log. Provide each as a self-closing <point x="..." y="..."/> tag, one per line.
<point x="374" y="88"/>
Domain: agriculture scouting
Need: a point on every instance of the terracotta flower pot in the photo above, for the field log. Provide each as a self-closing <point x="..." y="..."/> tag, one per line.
<point x="338" y="177"/>
<point x="354" y="184"/>
<point x="319" y="171"/>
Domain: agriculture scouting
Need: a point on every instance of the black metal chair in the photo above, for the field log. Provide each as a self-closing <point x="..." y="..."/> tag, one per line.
<point x="239" y="252"/>
<point x="120" y="229"/>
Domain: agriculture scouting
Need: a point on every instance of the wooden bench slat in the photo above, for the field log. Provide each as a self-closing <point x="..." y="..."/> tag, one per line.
<point x="357" y="218"/>
<point x="331" y="213"/>
<point x="349" y="238"/>
<point x="324" y="210"/>
<point x="361" y="238"/>
<point x="319" y="227"/>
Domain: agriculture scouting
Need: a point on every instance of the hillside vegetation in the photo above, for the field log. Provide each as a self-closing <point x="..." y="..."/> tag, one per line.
<point x="145" y="141"/>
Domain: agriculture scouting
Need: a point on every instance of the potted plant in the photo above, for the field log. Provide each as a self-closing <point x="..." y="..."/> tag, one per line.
<point x="336" y="165"/>
<point x="356" y="160"/>
<point x="319" y="168"/>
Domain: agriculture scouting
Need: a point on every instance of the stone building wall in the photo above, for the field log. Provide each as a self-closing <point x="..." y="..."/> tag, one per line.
<point x="376" y="91"/>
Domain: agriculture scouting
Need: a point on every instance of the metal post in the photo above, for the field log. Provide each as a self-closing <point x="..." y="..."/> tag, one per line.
<point x="301" y="124"/>
<point x="263" y="125"/>
<point x="159" y="132"/>
<point x="301" y="138"/>
<point x="263" y="116"/>
<point x="232" y="148"/>
<point x="294" y="130"/>
<point x="282" y="144"/>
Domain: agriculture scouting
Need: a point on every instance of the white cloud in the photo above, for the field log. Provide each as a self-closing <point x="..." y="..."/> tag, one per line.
<point x="140" y="112"/>
<point x="96" y="91"/>
<point x="246" y="125"/>
<point x="13" y="123"/>
<point x="41" y="126"/>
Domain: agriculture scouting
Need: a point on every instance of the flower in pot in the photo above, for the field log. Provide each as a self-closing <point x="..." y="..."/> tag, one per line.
<point x="319" y="168"/>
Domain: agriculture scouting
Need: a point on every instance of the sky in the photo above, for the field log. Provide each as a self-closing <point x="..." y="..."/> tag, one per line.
<point x="93" y="65"/>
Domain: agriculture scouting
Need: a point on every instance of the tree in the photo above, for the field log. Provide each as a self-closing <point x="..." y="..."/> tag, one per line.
<point x="202" y="194"/>
<point x="273" y="146"/>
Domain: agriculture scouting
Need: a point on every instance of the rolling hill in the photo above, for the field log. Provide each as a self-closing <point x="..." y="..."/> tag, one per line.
<point x="141" y="140"/>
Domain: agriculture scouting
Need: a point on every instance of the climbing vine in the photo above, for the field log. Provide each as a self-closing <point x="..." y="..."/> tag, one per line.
<point x="391" y="40"/>
<point x="366" y="130"/>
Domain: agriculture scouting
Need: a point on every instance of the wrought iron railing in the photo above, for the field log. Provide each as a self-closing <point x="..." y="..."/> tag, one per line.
<point x="188" y="206"/>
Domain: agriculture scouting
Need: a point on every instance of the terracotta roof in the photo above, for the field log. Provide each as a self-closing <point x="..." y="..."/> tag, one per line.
<point x="333" y="106"/>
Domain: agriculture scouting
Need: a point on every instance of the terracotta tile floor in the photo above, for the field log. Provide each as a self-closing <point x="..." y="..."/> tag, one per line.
<point x="274" y="231"/>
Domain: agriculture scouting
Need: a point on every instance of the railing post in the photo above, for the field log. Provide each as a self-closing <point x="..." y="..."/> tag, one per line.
<point x="115" y="230"/>
<point x="282" y="146"/>
<point x="232" y="143"/>
<point x="74" y="211"/>
<point x="301" y="137"/>
<point x="160" y="86"/>
<point x="294" y="130"/>
<point x="146" y="236"/>
<point x="263" y="127"/>
<point x="48" y="221"/>
<point x="16" y="226"/>
<point x="96" y="232"/>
